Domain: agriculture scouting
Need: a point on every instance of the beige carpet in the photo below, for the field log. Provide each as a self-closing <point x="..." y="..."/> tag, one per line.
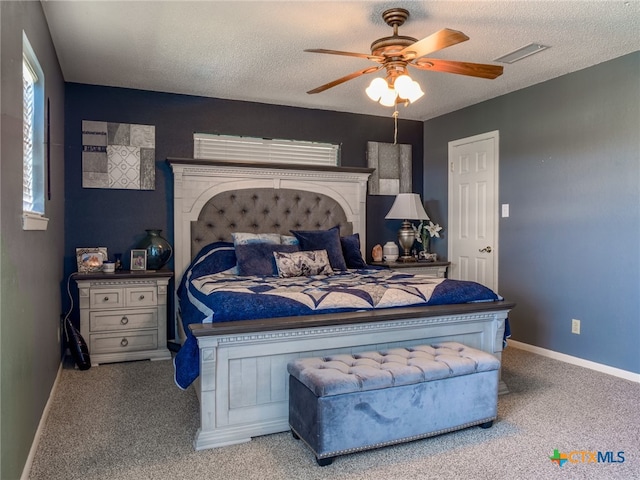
<point x="129" y="421"/>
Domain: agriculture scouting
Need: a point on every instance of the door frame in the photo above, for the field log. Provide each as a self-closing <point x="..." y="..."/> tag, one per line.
<point x="495" y="137"/>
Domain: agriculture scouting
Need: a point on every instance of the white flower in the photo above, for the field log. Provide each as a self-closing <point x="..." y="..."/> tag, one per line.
<point x="417" y="231"/>
<point x="433" y="229"/>
<point x="423" y="231"/>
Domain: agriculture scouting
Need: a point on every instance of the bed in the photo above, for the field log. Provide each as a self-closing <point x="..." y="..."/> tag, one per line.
<point x="239" y="364"/>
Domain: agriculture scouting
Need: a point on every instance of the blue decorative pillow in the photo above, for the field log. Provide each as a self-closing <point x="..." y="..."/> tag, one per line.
<point x="351" y="251"/>
<point x="302" y="264"/>
<point x="257" y="258"/>
<point x="328" y="240"/>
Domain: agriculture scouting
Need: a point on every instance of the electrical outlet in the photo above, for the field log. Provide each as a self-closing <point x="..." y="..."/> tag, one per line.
<point x="575" y="326"/>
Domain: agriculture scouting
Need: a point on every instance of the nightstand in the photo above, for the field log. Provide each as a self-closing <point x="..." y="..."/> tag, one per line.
<point x="432" y="269"/>
<point x="123" y="315"/>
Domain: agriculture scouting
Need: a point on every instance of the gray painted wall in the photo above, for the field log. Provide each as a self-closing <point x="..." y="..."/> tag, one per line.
<point x="570" y="171"/>
<point x="30" y="262"/>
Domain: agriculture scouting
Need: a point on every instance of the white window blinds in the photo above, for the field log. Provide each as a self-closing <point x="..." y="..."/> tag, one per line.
<point x="33" y="141"/>
<point x="249" y="149"/>
<point x="29" y="78"/>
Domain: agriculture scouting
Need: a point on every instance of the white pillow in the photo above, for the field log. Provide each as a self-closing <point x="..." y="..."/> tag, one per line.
<point x="241" y="238"/>
<point x="289" y="240"/>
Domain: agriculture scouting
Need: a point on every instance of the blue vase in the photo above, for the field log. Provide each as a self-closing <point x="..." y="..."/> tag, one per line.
<point x="158" y="249"/>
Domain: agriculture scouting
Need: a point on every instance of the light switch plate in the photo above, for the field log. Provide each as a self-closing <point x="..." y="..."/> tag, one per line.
<point x="505" y="210"/>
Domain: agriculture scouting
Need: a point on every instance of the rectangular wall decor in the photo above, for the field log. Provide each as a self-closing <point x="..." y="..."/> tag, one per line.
<point x="118" y="155"/>
<point x="392" y="163"/>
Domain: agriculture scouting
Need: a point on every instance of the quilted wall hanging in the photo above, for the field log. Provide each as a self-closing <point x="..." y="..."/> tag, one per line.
<point x="118" y="155"/>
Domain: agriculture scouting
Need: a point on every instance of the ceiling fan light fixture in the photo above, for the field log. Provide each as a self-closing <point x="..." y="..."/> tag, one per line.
<point x="403" y="85"/>
<point x="407" y="88"/>
<point x="388" y="98"/>
<point x="377" y="88"/>
<point x="417" y="92"/>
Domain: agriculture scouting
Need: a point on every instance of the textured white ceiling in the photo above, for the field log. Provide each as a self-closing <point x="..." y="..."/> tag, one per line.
<point x="253" y="51"/>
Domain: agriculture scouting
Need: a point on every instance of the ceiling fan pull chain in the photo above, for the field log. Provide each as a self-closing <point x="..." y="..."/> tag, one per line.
<point x="395" y="125"/>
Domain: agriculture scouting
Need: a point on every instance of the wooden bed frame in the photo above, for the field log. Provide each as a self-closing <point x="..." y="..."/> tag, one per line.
<point x="243" y="388"/>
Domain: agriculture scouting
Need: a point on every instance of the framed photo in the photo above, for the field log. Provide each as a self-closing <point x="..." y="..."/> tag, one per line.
<point x="90" y="259"/>
<point x="138" y="259"/>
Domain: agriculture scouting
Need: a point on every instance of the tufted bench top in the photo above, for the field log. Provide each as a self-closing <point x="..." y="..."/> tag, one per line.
<point x="348" y="373"/>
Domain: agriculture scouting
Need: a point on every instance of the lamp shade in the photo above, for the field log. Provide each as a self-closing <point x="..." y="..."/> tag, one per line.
<point x="407" y="206"/>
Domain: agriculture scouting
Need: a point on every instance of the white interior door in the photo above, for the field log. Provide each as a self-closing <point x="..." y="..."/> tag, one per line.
<point x="473" y="209"/>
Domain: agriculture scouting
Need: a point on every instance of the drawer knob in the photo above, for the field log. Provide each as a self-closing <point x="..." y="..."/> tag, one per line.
<point x="105" y="299"/>
<point x="124" y="342"/>
<point x="124" y="320"/>
<point x="141" y="297"/>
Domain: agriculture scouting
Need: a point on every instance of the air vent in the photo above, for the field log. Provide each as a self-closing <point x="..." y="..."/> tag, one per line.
<point x="521" y="53"/>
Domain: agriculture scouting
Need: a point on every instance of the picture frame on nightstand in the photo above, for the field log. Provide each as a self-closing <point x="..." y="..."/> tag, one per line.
<point x="90" y="259"/>
<point x="138" y="260"/>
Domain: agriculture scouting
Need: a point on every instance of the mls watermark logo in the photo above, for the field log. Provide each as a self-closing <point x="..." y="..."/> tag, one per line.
<point x="585" y="456"/>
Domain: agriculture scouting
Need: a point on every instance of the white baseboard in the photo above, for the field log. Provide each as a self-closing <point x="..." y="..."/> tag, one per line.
<point x="43" y="420"/>
<point x="580" y="362"/>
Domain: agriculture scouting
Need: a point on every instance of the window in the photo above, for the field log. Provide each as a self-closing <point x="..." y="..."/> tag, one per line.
<point x="33" y="120"/>
<point x="249" y="149"/>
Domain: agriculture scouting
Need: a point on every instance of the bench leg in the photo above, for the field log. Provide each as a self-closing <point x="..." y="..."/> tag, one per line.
<point x="323" y="462"/>
<point x="295" y="435"/>
<point x="486" y="424"/>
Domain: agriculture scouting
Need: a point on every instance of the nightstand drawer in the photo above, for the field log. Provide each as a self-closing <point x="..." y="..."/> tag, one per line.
<point x="437" y="269"/>
<point x="106" y="298"/>
<point x="436" y="272"/>
<point x="106" y="321"/>
<point x="141" y="296"/>
<point x="127" y="342"/>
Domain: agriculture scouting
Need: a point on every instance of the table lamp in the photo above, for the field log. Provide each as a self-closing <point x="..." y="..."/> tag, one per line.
<point x="407" y="206"/>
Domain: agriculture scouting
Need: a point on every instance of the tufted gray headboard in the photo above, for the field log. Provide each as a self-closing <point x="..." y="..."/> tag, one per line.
<point x="212" y="199"/>
<point x="265" y="210"/>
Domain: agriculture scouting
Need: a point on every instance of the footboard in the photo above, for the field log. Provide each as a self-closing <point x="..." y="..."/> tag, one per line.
<point x="243" y="386"/>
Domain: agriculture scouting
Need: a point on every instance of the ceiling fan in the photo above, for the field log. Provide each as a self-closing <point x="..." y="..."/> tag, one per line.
<point x="396" y="52"/>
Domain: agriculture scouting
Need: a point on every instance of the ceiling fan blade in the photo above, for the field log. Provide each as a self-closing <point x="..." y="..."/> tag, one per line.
<point x="375" y="58"/>
<point x="481" y="70"/>
<point x="351" y="76"/>
<point x="434" y="42"/>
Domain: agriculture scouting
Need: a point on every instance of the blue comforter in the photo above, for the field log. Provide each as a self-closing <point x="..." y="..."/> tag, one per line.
<point x="211" y="291"/>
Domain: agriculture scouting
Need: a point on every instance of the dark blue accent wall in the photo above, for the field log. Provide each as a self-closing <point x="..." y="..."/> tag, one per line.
<point x="117" y="219"/>
<point x="570" y="171"/>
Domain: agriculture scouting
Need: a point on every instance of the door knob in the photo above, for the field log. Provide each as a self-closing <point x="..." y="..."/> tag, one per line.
<point x="485" y="249"/>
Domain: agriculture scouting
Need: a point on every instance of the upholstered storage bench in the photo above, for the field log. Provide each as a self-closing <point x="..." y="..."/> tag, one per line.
<point x="345" y="403"/>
